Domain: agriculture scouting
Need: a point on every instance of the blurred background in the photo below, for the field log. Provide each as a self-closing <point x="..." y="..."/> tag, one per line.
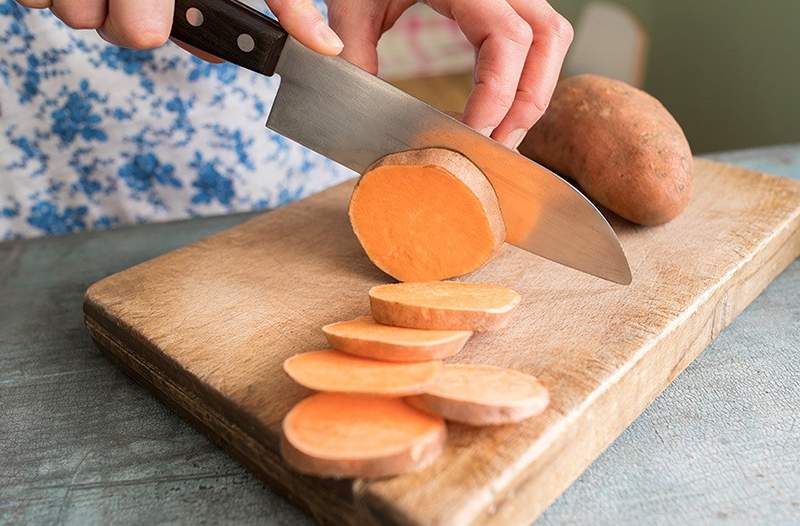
<point x="729" y="71"/>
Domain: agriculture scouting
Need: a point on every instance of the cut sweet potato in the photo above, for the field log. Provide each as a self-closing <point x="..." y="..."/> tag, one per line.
<point x="443" y="305"/>
<point x="364" y="337"/>
<point x="344" y="435"/>
<point x="426" y="215"/>
<point x="482" y="395"/>
<point x="339" y="372"/>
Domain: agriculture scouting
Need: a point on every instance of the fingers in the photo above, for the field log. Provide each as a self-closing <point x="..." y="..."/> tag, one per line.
<point x="552" y="36"/>
<point x="302" y="20"/>
<point x="87" y="14"/>
<point x="35" y="4"/>
<point x="138" y="24"/>
<point x="503" y="40"/>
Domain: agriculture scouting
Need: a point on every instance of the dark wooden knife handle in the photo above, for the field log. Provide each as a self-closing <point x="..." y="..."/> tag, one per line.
<point x="230" y="30"/>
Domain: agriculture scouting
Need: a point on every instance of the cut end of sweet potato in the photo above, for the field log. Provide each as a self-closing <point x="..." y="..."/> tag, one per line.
<point x="482" y="395"/>
<point x="426" y="215"/>
<point x="342" y="435"/>
<point x="335" y="371"/>
<point x="367" y="338"/>
<point x="443" y="305"/>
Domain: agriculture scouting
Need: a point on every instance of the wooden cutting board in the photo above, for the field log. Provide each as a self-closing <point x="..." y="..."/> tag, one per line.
<point x="207" y="327"/>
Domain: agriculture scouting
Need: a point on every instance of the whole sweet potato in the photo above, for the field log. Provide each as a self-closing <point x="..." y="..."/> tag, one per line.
<point x="619" y="144"/>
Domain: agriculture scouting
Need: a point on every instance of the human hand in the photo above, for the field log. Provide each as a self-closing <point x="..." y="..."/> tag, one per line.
<point x="144" y="24"/>
<point x="520" y="47"/>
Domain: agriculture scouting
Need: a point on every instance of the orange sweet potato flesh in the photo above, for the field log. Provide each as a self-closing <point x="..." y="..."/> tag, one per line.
<point x="619" y="144"/>
<point x="482" y="395"/>
<point x="344" y="435"/>
<point x="365" y="337"/>
<point x="443" y="305"/>
<point x="335" y="371"/>
<point x="428" y="214"/>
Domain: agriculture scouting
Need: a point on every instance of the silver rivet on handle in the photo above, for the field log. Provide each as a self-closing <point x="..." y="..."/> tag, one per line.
<point x="194" y="16"/>
<point x="246" y="43"/>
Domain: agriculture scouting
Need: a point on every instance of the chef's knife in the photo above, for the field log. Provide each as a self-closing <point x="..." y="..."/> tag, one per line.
<point x="354" y="118"/>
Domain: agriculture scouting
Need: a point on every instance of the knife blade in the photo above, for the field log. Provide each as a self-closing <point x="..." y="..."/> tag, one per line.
<point x="352" y="117"/>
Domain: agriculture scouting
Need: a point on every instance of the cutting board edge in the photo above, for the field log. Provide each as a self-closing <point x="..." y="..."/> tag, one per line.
<point x="714" y="316"/>
<point x="528" y="488"/>
<point x="327" y="509"/>
<point x="524" y="482"/>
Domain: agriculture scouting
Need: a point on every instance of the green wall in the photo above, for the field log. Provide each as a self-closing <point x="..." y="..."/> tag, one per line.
<point x="728" y="70"/>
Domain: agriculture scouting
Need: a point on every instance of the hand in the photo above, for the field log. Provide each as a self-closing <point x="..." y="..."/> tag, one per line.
<point x="520" y="47"/>
<point x="144" y="24"/>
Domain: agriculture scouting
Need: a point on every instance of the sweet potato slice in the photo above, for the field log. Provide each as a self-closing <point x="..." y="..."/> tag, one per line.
<point x="344" y="435"/>
<point x="364" y="337"/>
<point x="336" y="371"/>
<point x="425" y="215"/>
<point x="443" y="305"/>
<point x="482" y="395"/>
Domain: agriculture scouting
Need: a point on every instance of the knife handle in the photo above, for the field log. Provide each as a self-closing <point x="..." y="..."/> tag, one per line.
<point x="230" y="30"/>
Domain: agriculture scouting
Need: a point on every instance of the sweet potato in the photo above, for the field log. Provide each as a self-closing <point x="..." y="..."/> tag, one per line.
<point x="443" y="305"/>
<point x="335" y="371"/>
<point x="619" y="144"/>
<point x="364" y="337"/>
<point x="342" y="435"/>
<point x="425" y="215"/>
<point x="482" y="395"/>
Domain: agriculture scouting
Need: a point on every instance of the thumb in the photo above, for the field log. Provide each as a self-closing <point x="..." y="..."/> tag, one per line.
<point x="302" y="20"/>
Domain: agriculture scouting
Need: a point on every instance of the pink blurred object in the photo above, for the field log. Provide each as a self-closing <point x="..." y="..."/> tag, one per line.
<point x="424" y="43"/>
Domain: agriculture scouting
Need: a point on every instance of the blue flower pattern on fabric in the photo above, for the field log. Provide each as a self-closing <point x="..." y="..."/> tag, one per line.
<point x="145" y="170"/>
<point x="93" y="136"/>
<point x="76" y="117"/>
<point x="210" y="183"/>
<point x="46" y="217"/>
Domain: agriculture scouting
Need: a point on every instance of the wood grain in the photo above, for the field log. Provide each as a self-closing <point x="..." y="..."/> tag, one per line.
<point x="208" y="326"/>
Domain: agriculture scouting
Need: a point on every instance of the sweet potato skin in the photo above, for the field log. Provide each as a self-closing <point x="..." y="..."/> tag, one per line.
<point x="619" y="144"/>
<point x="383" y="415"/>
<point x="405" y="462"/>
<point x="474" y="413"/>
<point x="389" y="352"/>
<point x="481" y="395"/>
<point x="389" y="311"/>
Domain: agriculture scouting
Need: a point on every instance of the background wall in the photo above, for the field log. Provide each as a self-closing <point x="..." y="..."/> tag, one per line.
<point x="728" y="70"/>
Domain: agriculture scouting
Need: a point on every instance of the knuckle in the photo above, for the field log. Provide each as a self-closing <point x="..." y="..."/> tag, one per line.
<point x="516" y="29"/>
<point x="144" y="35"/>
<point x="533" y="104"/>
<point x="146" y="39"/>
<point x="35" y="4"/>
<point x="495" y="91"/>
<point x="299" y="12"/>
<point x="80" y="19"/>
<point x="527" y="117"/>
<point x="560" y="28"/>
<point x="297" y="5"/>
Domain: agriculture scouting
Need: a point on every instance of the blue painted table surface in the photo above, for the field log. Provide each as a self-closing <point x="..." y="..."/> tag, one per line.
<point x="80" y="443"/>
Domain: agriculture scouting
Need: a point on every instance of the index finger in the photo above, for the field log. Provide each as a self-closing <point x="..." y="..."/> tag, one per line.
<point x="503" y="39"/>
<point x="552" y="36"/>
